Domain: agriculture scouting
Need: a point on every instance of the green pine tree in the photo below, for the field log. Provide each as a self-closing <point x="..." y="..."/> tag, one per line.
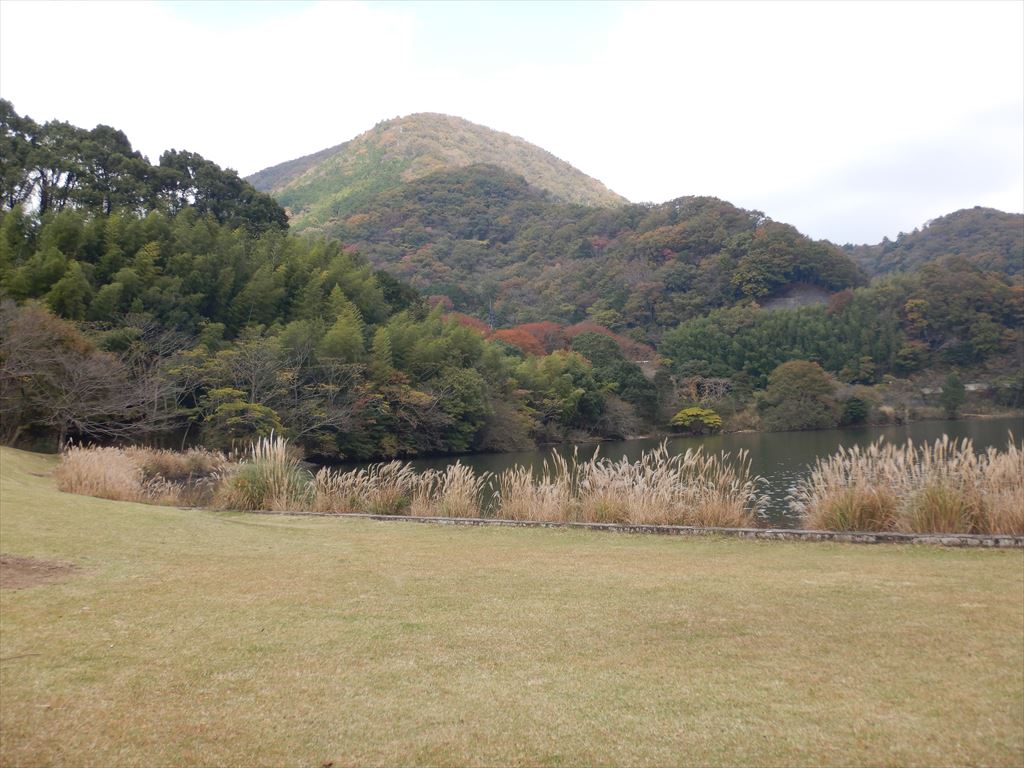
<point x="344" y="340"/>
<point x="382" y="358"/>
<point x="953" y="395"/>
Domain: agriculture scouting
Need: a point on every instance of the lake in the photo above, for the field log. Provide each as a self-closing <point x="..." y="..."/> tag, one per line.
<point x="780" y="457"/>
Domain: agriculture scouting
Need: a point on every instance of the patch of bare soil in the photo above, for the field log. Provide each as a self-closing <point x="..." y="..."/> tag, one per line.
<point x="19" y="572"/>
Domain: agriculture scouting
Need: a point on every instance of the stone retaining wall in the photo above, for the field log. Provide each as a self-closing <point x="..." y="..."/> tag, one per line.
<point x="990" y="541"/>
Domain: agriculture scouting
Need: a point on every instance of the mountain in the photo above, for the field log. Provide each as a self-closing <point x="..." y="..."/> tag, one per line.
<point x="988" y="238"/>
<point x="331" y="184"/>
<point x="500" y="248"/>
<point x="507" y="232"/>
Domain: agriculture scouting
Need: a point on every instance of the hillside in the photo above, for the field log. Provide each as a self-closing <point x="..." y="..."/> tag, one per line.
<point x="496" y="245"/>
<point x="331" y="184"/>
<point x="986" y="237"/>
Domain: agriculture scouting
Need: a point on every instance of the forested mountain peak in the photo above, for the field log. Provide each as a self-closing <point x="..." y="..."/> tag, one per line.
<point x="986" y="237"/>
<point x="333" y="183"/>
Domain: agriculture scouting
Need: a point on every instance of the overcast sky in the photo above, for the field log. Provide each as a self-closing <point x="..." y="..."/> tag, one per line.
<point x="849" y="120"/>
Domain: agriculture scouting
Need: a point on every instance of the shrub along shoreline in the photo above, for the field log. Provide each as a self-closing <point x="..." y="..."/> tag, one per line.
<point x="945" y="488"/>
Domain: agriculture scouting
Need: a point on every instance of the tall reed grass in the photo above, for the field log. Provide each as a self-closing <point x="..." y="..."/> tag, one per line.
<point x="396" y="489"/>
<point x="270" y="479"/>
<point x="178" y="466"/>
<point x="659" y="488"/>
<point x="944" y="487"/>
<point x="547" y="496"/>
<point x="687" y="489"/>
<point x="691" y="488"/>
<point x="380" y="489"/>
<point x="456" y="491"/>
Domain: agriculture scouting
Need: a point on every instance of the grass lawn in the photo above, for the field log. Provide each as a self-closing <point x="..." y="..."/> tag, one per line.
<point x="200" y="638"/>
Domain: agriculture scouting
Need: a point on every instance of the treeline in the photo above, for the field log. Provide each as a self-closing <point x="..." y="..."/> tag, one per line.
<point x="55" y="166"/>
<point x="134" y="311"/>
<point x="416" y="383"/>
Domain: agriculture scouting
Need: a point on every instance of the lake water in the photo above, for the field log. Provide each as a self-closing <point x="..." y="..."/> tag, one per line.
<point x="780" y="457"/>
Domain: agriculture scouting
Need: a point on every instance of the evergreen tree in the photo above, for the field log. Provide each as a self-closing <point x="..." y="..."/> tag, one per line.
<point x="344" y="339"/>
<point x="953" y="395"/>
<point x="382" y="358"/>
<point x="800" y="395"/>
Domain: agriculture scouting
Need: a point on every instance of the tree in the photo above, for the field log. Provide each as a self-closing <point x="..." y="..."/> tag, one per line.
<point x="855" y="411"/>
<point x="614" y="371"/>
<point x="800" y="395"/>
<point x="114" y="177"/>
<point x="562" y="389"/>
<point x="17" y="135"/>
<point x="382" y="358"/>
<point x="522" y="340"/>
<point x="55" y="380"/>
<point x="188" y="179"/>
<point x="861" y="370"/>
<point x="231" y="420"/>
<point x="344" y="339"/>
<point x="953" y="396"/>
<point x="70" y="295"/>
<point x="697" y="421"/>
<point x="462" y="394"/>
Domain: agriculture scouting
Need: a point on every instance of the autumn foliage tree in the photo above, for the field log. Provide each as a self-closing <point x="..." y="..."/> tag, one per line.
<point x="522" y="340"/>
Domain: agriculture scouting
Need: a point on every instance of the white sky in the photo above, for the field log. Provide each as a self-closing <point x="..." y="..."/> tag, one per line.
<point x="849" y="120"/>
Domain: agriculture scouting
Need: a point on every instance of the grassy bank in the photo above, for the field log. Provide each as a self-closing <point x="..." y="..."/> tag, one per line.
<point x="186" y="637"/>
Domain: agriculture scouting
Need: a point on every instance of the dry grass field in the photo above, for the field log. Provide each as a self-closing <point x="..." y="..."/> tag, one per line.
<point x="147" y="635"/>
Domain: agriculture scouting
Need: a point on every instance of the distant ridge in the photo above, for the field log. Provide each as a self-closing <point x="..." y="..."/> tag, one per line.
<point x="988" y="238"/>
<point x="333" y="183"/>
<point x="278" y="176"/>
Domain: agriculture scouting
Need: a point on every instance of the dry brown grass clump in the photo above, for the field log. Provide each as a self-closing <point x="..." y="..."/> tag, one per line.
<point x="396" y="489"/>
<point x="546" y="497"/>
<point x="1002" y="488"/>
<point x="177" y="466"/>
<point x="945" y="487"/>
<point x="109" y="473"/>
<point x="658" y="489"/>
<point x="149" y="475"/>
